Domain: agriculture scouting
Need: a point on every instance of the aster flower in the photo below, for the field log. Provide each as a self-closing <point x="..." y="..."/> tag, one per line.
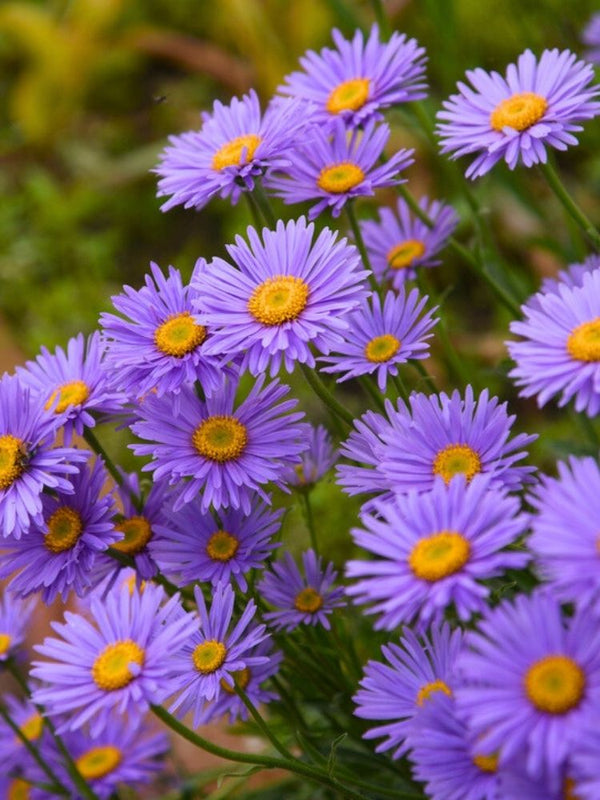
<point x="284" y="294"/>
<point x="57" y="555"/>
<point x="530" y="677"/>
<point x="359" y="78"/>
<point x="434" y="549"/>
<point x="537" y="105"/>
<point x="14" y="620"/>
<point x="448" y="436"/>
<point x="212" y="654"/>
<point x="572" y="276"/>
<point x="226" y="453"/>
<point x="564" y="541"/>
<point x="157" y="345"/>
<point x="73" y="383"/>
<point x="560" y="350"/>
<point x="334" y="168"/>
<point x="515" y="782"/>
<point x="317" y="460"/>
<point x="591" y="37"/>
<point x="300" y="599"/>
<point x="235" y="146"/>
<point x="192" y="545"/>
<point x="585" y="760"/>
<point x="31" y="724"/>
<point x="117" y="664"/>
<point x="399" y="244"/>
<point x="380" y="338"/>
<point x="398" y="691"/>
<point x="28" y="462"/>
<point x="446" y="759"/>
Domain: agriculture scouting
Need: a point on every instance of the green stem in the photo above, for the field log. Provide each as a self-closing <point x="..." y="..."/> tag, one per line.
<point x="588" y="429"/>
<point x="93" y="442"/>
<point x="570" y="206"/>
<point x="358" y="239"/>
<point x="381" y="17"/>
<point x="419" y="366"/>
<point x="262" y="201"/>
<point x="308" y="516"/>
<point x="254" y="210"/>
<point x="319" y="388"/>
<point x="372" y="391"/>
<point x="400" y="387"/>
<point x="266" y="731"/>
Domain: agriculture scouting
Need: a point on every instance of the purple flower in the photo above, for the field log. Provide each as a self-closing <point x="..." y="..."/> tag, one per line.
<point x="284" y="294"/>
<point x="234" y="147"/>
<point x="57" y="555"/>
<point x="359" y="78"/>
<point x="530" y="676"/>
<point x="14" y="621"/>
<point x="317" y="460"/>
<point x="398" y="691"/>
<point x="515" y="782"/>
<point x="28" y="461"/>
<point x="537" y="105"/>
<point x="227" y="453"/>
<point x="591" y="37"/>
<point x="435" y="549"/>
<point x="334" y="168"/>
<point x="157" y="345"/>
<point x="193" y="545"/>
<point x="585" y="760"/>
<point x="399" y="244"/>
<point x="380" y="338"/>
<point x="560" y="350"/>
<point x="448" y="436"/>
<point x="572" y="276"/>
<point x="31" y="724"/>
<point x="213" y="654"/>
<point x="120" y="663"/>
<point x="73" y="384"/>
<point x="300" y="599"/>
<point x="564" y="542"/>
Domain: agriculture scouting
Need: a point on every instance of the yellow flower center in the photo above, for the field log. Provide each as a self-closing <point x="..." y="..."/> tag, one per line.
<point x="137" y="533"/>
<point x="5" y="640"/>
<point x="583" y="343"/>
<point x="382" y="348"/>
<point x="13" y="455"/>
<point x="32" y="728"/>
<point x="99" y="761"/>
<point x="404" y="255"/>
<point x="241" y="678"/>
<point x="519" y="112"/>
<point x="456" y="459"/>
<point x="348" y="96"/>
<point x="486" y="763"/>
<point x="179" y="335"/>
<point x="131" y="584"/>
<point x="308" y="600"/>
<point x="230" y="154"/>
<point x="340" y="178"/>
<point x="569" y="790"/>
<point x="439" y="555"/>
<point x="428" y="689"/>
<point x="222" y="546"/>
<point x="220" y="438"/>
<point x="19" y="790"/>
<point x="64" y="529"/>
<point x="73" y="393"/>
<point x="555" y="684"/>
<point x="111" y="671"/>
<point x="209" y="656"/>
<point x="278" y="300"/>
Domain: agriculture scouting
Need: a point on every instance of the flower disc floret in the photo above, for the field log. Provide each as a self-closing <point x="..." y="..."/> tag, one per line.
<point x="5" y="643"/>
<point x="65" y="526"/>
<point x="32" y="727"/>
<point x="236" y="152"/>
<point x="381" y="348"/>
<point x="72" y="393"/>
<point x="241" y="679"/>
<point x="179" y="335"/>
<point x="405" y="254"/>
<point x="431" y="688"/>
<point x="136" y="531"/>
<point x="519" y="112"/>
<point x="220" y="438"/>
<point x="279" y="299"/>
<point x="439" y="555"/>
<point x="456" y="459"/>
<point x="555" y="684"/>
<point x="348" y="95"/>
<point x="112" y="669"/>
<point x="13" y="459"/>
<point x="583" y="343"/>
<point x="308" y="600"/>
<point x="341" y="177"/>
<point x="98" y="762"/>
<point x="222" y="546"/>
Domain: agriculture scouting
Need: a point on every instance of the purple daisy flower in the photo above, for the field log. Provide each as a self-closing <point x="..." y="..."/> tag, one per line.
<point x="317" y="460"/>
<point x="192" y="545"/>
<point x="120" y="663"/>
<point x="537" y="105"/>
<point x="334" y="168"/>
<point x="435" y="549"/>
<point x="73" y="383"/>
<point x="446" y="759"/>
<point x="30" y="722"/>
<point x="399" y="244"/>
<point x="212" y="654"/>
<point x="300" y="599"/>
<point x="398" y="691"/>
<point x="281" y="296"/>
<point x="585" y="761"/>
<point x="235" y="146"/>
<point x="359" y="78"/>
<point x="560" y="350"/>
<point x="227" y="453"/>
<point x="572" y="276"/>
<point x="14" y="621"/>
<point x="157" y="345"/>
<point x="57" y="554"/>
<point x="564" y="542"/>
<point x="28" y="461"/>
<point x="515" y="782"/>
<point x="448" y="436"/>
<point x="530" y="677"/>
<point x="382" y="337"/>
<point x="591" y="38"/>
